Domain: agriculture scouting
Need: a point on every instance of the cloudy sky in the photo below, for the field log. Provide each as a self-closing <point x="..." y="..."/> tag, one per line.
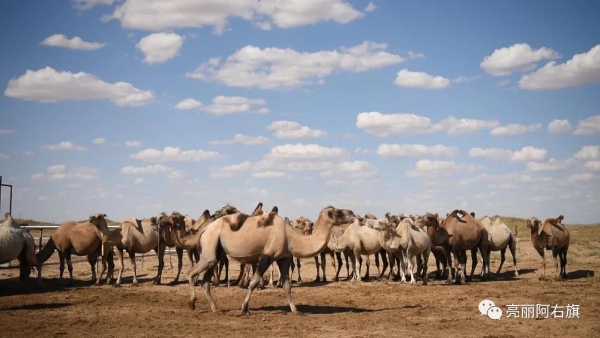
<point x="133" y="107"/>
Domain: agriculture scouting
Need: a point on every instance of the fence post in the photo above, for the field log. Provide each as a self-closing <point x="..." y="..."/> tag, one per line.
<point x="40" y="245"/>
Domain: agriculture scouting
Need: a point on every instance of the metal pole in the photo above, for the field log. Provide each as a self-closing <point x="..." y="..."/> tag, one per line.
<point x="10" y="205"/>
<point x="1" y="194"/>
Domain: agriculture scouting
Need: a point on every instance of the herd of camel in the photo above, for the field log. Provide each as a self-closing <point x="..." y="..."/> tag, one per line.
<point x="262" y="238"/>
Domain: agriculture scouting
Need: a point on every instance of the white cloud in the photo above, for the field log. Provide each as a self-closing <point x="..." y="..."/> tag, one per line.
<point x="582" y="69"/>
<point x="160" y="47"/>
<point x="335" y="182"/>
<point x="5" y="131"/>
<point x="410" y="79"/>
<point x="133" y="144"/>
<point x="300" y="151"/>
<point x="176" y="175"/>
<point x="294" y="130"/>
<point x="271" y="174"/>
<point x="85" y="5"/>
<point x="360" y="150"/>
<point x="157" y="15"/>
<point x="147" y="170"/>
<point x="348" y="136"/>
<point x="243" y="139"/>
<point x="370" y="7"/>
<point x="382" y="125"/>
<point x="588" y="153"/>
<point x="588" y="126"/>
<point x="4" y="157"/>
<point x="222" y="105"/>
<point x="140" y="181"/>
<point x="503" y="83"/>
<point x="415" y="55"/>
<point x="61" y="172"/>
<point x="272" y="68"/>
<point x="415" y="150"/>
<point x="64" y="145"/>
<point x="552" y="164"/>
<point x="174" y="154"/>
<point x="580" y="177"/>
<point x="36" y="177"/>
<point x="559" y="126"/>
<point x="428" y="168"/>
<point x="466" y="79"/>
<point x="525" y="154"/>
<point x="592" y="165"/>
<point x="515" y="129"/>
<point x="519" y="57"/>
<point x="98" y="140"/>
<point x="60" y="40"/>
<point x="49" y="86"/>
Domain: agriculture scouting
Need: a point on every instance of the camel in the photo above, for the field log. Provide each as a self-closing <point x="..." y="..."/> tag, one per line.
<point x="17" y="242"/>
<point x="501" y="237"/>
<point x="462" y="234"/>
<point x="406" y="241"/>
<point x="551" y="235"/>
<point x="185" y="235"/>
<point x="262" y="239"/>
<point x="137" y="236"/>
<point x="80" y="239"/>
<point x="361" y="240"/>
<point x="439" y="253"/>
<point x="382" y="253"/>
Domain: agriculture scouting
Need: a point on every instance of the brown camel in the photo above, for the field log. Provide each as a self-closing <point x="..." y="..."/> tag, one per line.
<point x="457" y="235"/>
<point x="439" y="253"/>
<point x="138" y="236"/>
<point x="262" y="239"/>
<point x="80" y="239"/>
<point x="552" y="235"/>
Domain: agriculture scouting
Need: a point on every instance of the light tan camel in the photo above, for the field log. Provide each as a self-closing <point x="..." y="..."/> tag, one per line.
<point x="262" y="239"/>
<point x="80" y="239"/>
<point x="407" y="241"/>
<point x="360" y="239"/>
<point x="17" y="243"/>
<point x="552" y="235"/>
<point x="382" y="253"/>
<point x="501" y="237"/>
<point x="138" y="236"/>
<point x="185" y="235"/>
<point x="439" y="253"/>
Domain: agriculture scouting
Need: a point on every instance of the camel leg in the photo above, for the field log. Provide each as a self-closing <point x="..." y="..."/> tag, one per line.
<point x="512" y="246"/>
<point x="346" y="257"/>
<point x="384" y="262"/>
<point x="179" y="252"/>
<point x="190" y="257"/>
<point x="392" y="260"/>
<point x="121" y="267"/>
<point x="323" y="265"/>
<point x="239" y="278"/>
<point x="110" y="278"/>
<point x="299" y="265"/>
<point x="206" y="265"/>
<point x="474" y="263"/>
<point x="377" y="264"/>
<point x="93" y="259"/>
<point x="358" y="264"/>
<point x="543" y="254"/>
<point x="400" y="256"/>
<point x="338" y="256"/>
<point x="502" y="259"/>
<point x="263" y="265"/>
<point x="555" y="253"/>
<point x="451" y="264"/>
<point x="367" y="265"/>
<point x="425" y="259"/>
<point x="287" y="285"/>
<point x="160" y="252"/>
<point x="69" y="266"/>
<point x="318" y="278"/>
<point x="272" y="278"/>
<point x="411" y="264"/>
<point x="133" y="266"/>
<point x="61" y="258"/>
<point x="564" y="261"/>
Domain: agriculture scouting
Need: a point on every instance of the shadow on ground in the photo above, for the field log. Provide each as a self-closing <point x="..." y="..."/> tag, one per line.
<point x="39" y="306"/>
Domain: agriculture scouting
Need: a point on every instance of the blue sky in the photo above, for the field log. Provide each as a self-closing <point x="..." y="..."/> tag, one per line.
<point x="132" y="107"/>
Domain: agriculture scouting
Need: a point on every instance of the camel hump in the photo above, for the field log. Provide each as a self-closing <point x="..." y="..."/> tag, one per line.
<point x="258" y="209"/>
<point x="133" y="221"/>
<point x="275" y="210"/>
<point x="236" y="221"/>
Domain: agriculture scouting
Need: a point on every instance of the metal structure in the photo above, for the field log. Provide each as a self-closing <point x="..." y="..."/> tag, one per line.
<point x="11" y="188"/>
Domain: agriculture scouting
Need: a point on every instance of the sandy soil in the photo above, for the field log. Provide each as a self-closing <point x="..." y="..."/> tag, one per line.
<point x="342" y="309"/>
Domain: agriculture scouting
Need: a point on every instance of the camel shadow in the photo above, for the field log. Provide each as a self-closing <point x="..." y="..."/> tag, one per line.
<point x="319" y="309"/>
<point x="39" y="306"/>
<point x="13" y="286"/>
<point x="311" y="284"/>
<point x="579" y="274"/>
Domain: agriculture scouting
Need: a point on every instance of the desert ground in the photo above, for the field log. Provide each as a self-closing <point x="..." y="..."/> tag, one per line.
<point x="332" y="309"/>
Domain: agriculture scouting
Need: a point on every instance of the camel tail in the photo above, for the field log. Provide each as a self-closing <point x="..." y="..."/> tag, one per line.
<point x="46" y="251"/>
<point x="516" y="230"/>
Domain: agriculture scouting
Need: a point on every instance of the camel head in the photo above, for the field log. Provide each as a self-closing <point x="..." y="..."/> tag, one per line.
<point x="402" y="216"/>
<point x="336" y="216"/>
<point x="177" y="220"/>
<point x="376" y="224"/>
<point x="97" y="219"/>
<point x="267" y="218"/>
<point x="7" y="216"/>
<point x="431" y="220"/>
<point x="534" y="224"/>
<point x="370" y="216"/>
<point x="404" y="225"/>
<point x="226" y="210"/>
